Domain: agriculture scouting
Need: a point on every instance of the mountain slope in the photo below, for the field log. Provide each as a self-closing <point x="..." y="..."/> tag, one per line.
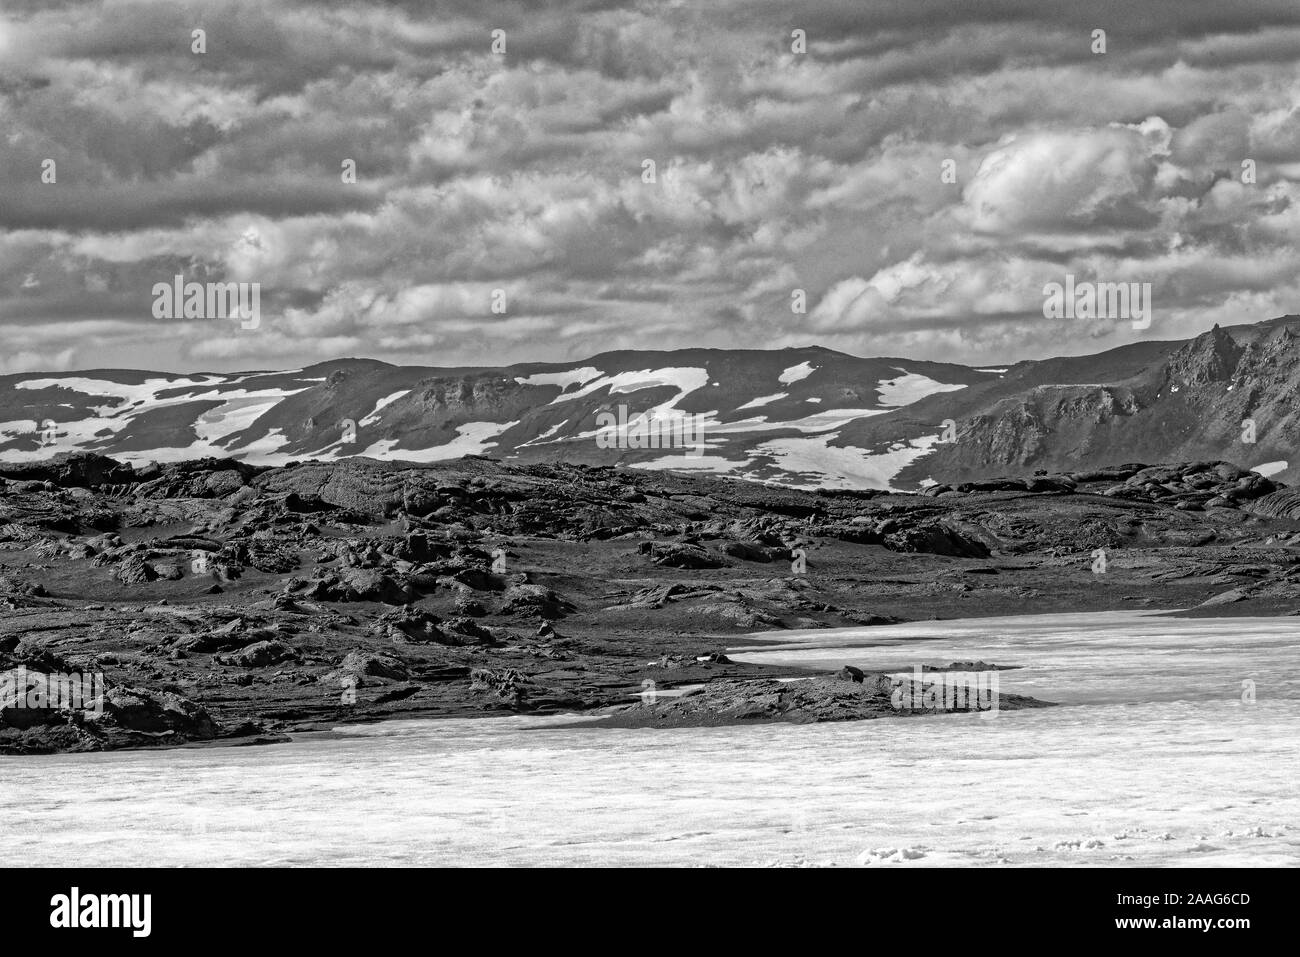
<point x="1227" y="394"/>
<point x="747" y="403"/>
<point x="807" y="417"/>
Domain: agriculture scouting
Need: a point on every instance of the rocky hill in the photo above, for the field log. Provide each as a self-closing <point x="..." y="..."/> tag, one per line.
<point x="1227" y="394"/>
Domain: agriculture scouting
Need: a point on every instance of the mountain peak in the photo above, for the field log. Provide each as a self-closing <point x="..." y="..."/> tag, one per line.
<point x="1210" y="357"/>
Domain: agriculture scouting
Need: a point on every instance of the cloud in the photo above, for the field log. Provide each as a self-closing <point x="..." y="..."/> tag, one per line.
<point x="523" y="172"/>
<point x="1066" y="181"/>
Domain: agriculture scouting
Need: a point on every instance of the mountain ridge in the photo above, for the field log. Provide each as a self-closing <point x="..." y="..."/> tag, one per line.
<point x="806" y="417"/>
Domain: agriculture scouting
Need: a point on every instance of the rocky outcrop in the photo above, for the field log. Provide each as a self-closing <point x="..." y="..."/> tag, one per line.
<point x="849" y="695"/>
<point x="1280" y="503"/>
<point x="1228" y="394"/>
<point x="35" y="720"/>
<point x="357" y="584"/>
<point x="72" y="470"/>
<point x="1210" y="357"/>
<point x="358" y="665"/>
<point x="683" y="555"/>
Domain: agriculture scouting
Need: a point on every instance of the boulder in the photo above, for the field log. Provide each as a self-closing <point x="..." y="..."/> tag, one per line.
<point x="676" y="555"/>
<point x="748" y="551"/>
<point x="362" y="663"/>
<point x="536" y="600"/>
<point x="135" y="570"/>
<point x="360" y="584"/>
<point x="260" y="654"/>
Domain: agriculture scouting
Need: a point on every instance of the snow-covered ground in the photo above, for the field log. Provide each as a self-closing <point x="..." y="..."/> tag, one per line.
<point x="1154" y="758"/>
<point x="815" y="463"/>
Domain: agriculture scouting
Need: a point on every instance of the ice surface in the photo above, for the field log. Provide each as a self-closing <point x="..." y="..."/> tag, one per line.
<point x="1154" y="758"/>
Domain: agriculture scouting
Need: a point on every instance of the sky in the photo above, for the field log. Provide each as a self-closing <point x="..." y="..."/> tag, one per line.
<point x="919" y="170"/>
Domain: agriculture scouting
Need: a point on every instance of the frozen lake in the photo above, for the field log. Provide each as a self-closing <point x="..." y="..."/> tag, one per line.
<point x="1153" y="758"/>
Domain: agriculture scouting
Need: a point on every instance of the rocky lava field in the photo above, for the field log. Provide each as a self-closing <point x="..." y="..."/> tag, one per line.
<point x="222" y="601"/>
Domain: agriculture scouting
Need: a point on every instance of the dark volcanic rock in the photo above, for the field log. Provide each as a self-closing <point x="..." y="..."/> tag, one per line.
<point x="260" y="654"/>
<point x="935" y="538"/>
<point x="749" y="551"/>
<point x="153" y="712"/>
<point x="413" y="625"/>
<point x="18" y="586"/>
<point x="508" y="685"/>
<point x="843" y="697"/>
<point x="468" y="631"/>
<point x="1282" y="503"/>
<point x="135" y="570"/>
<point x="359" y="584"/>
<point x="117" y="717"/>
<point x="676" y="555"/>
<point x="75" y="469"/>
<point x="535" y="600"/>
<point x="359" y="663"/>
<point x="317" y="560"/>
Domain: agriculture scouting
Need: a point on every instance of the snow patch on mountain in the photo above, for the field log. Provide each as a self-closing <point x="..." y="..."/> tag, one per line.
<point x="821" y="421"/>
<point x="541" y="439"/>
<point x="472" y="438"/>
<point x="149" y="416"/>
<point x="795" y="373"/>
<point x="696" y="463"/>
<point x="763" y="400"/>
<point x="262" y="451"/>
<point x="910" y="387"/>
<point x="386" y="401"/>
<point x="685" y="380"/>
<point x="562" y="379"/>
<point x="238" y="410"/>
<point x="127" y="394"/>
<point x="813" y="462"/>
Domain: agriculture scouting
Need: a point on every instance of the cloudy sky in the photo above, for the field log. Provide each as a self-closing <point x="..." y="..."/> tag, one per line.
<point x="775" y="171"/>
